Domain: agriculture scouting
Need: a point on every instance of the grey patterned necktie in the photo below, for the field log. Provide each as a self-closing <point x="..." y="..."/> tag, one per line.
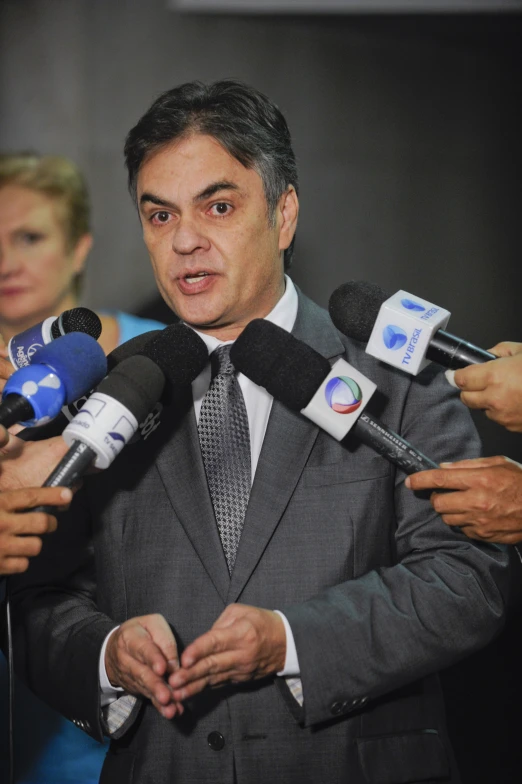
<point x="225" y="446"/>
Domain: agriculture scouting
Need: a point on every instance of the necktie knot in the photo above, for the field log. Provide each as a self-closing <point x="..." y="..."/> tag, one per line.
<point x="220" y="362"/>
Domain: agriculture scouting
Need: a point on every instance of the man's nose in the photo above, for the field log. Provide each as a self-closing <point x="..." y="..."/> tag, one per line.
<point x="188" y="237"/>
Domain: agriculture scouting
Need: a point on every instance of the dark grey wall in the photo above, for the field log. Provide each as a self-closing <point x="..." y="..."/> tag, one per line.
<point x="406" y="131"/>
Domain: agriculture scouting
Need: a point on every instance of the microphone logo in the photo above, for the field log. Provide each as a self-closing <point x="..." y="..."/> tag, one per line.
<point x="343" y="394"/>
<point x="31" y="351"/>
<point x="410" y="304"/>
<point x="394" y="337"/>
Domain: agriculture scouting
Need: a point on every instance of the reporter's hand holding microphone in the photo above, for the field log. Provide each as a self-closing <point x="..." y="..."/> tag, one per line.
<point x="486" y="502"/>
<point x="21" y="531"/>
<point x="36" y="393"/>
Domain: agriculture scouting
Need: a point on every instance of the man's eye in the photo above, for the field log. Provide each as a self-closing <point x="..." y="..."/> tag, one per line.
<point x="160" y="217"/>
<point x="221" y="208"/>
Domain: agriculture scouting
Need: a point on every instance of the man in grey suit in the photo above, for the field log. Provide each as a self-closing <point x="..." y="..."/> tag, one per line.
<point x="311" y="655"/>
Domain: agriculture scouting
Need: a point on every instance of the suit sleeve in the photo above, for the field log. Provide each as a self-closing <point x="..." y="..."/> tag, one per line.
<point x="54" y="612"/>
<point x="442" y="597"/>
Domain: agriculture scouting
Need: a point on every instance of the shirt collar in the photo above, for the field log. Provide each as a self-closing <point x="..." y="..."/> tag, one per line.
<point x="283" y="315"/>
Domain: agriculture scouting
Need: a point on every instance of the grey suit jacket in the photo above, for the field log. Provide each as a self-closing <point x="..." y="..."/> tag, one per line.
<point x="379" y="593"/>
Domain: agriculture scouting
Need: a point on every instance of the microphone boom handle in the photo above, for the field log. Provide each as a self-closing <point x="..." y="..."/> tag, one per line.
<point x="390" y="445"/>
<point x="452" y="352"/>
<point x="69" y="470"/>
<point x="72" y="466"/>
<point x="15" y="408"/>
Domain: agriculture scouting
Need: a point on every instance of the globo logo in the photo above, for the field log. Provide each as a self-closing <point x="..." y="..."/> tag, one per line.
<point x="343" y="394"/>
<point x="394" y="337"/>
<point x="410" y="304"/>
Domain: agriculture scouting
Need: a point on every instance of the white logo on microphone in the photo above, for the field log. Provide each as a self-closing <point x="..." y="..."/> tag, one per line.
<point x="151" y="422"/>
<point x="31" y="351"/>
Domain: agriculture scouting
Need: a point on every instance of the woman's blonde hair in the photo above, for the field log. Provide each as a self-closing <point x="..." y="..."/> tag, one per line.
<point x="56" y="177"/>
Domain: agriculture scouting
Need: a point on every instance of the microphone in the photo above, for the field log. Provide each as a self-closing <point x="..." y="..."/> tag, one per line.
<point x="63" y="370"/>
<point x="56" y="427"/>
<point x="23" y="346"/>
<point x="298" y="376"/>
<point x="403" y="330"/>
<point x="112" y="414"/>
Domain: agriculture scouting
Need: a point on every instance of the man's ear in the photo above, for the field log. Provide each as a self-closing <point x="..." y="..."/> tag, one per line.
<point x="81" y="251"/>
<point x="288" y="210"/>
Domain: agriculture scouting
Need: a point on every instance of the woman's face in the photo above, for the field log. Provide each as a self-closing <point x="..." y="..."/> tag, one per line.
<point x="37" y="268"/>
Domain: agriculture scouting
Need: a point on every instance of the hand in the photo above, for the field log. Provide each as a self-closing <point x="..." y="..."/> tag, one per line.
<point x="6" y="369"/>
<point x="139" y="656"/>
<point x="487" y="504"/>
<point x="29" y="463"/>
<point x="507" y="348"/>
<point x="496" y="386"/>
<point x="21" y="532"/>
<point x="245" y="643"/>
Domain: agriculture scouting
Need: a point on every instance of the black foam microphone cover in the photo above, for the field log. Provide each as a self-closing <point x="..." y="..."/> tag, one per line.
<point x="354" y="308"/>
<point x="119" y="354"/>
<point x="137" y="383"/>
<point x="179" y="352"/>
<point x="130" y="348"/>
<point x="77" y="320"/>
<point x="290" y="370"/>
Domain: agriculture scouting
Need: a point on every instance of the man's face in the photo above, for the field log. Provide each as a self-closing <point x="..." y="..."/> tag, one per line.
<point x="216" y="257"/>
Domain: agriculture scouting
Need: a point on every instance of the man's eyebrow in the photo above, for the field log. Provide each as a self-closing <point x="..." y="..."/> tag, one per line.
<point x="207" y="193"/>
<point x="215" y="187"/>
<point x="154" y="200"/>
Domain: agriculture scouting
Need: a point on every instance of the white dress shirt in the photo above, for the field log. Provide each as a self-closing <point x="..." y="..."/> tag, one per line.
<point x="258" y="405"/>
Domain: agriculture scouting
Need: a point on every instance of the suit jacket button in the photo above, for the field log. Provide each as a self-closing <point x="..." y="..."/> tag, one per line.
<point x="216" y="741"/>
<point x="337" y="707"/>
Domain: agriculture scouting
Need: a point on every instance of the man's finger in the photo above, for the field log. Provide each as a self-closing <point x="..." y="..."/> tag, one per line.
<point x="439" y="478"/>
<point x="161" y="633"/>
<point x="208" y="666"/>
<point x="38" y="523"/>
<point x="478" y="400"/>
<point x="12" y="565"/>
<point x="138" y="644"/>
<point x="479" y="462"/>
<point x="28" y="497"/>
<point x="507" y="348"/>
<point x="465" y="502"/>
<point x="473" y="378"/>
<point x="21" y="546"/>
<point x="212" y="642"/>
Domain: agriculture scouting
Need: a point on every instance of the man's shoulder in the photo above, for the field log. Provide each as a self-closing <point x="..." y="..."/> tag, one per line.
<point x="314" y="326"/>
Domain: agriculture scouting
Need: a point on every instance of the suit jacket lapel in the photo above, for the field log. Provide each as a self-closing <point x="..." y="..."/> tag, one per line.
<point x="183" y="474"/>
<point x="286" y="447"/>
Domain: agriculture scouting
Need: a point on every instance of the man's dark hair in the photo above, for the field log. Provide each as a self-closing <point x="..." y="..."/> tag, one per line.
<point x="243" y="120"/>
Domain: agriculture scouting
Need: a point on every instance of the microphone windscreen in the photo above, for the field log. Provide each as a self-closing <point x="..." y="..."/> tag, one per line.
<point x="77" y="320"/>
<point x="130" y="348"/>
<point x="78" y="361"/>
<point x="179" y="352"/>
<point x="55" y="428"/>
<point x="290" y="370"/>
<point x="137" y="383"/>
<point x="354" y="308"/>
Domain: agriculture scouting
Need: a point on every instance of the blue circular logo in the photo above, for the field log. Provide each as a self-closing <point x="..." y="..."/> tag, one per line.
<point x="410" y="304"/>
<point x="343" y="394"/>
<point x="394" y="337"/>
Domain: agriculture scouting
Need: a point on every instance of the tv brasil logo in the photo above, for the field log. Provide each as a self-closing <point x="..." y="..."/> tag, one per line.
<point x="394" y="337"/>
<point x="343" y="394"/>
<point x="410" y="304"/>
